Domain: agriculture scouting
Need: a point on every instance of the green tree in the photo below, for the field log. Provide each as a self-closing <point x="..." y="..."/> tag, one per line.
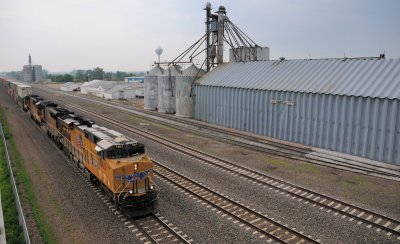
<point x="45" y="73"/>
<point x="14" y="74"/>
<point x="63" y="78"/>
<point x="97" y="74"/>
<point x="108" y="76"/>
<point x="119" y="76"/>
<point x="80" y="75"/>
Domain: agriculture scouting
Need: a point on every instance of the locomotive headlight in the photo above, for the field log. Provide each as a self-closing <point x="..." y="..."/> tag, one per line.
<point x="130" y="191"/>
<point x="151" y="187"/>
<point x="135" y="166"/>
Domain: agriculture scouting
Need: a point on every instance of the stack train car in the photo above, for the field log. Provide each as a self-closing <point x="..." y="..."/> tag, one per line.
<point x="16" y="90"/>
<point x="117" y="164"/>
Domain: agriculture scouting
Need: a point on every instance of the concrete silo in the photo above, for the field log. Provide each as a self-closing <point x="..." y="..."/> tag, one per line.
<point x="37" y="73"/>
<point x="32" y="73"/>
<point x="166" y="89"/>
<point x="27" y="73"/>
<point x="151" y="88"/>
<point x="184" y="99"/>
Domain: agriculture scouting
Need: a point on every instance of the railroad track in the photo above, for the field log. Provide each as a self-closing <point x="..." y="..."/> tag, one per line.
<point x="158" y="230"/>
<point x="265" y="145"/>
<point x="353" y="213"/>
<point x="153" y="228"/>
<point x="150" y="229"/>
<point x="263" y="225"/>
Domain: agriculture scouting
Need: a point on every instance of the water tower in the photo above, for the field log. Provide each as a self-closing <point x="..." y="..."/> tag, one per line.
<point x="159" y="51"/>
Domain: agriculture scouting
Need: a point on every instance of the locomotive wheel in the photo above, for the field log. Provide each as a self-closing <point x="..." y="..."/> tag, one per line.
<point x="94" y="179"/>
<point x="102" y="188"/>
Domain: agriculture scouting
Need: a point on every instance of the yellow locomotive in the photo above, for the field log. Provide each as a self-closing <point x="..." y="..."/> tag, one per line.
<point x="116" y="163"/>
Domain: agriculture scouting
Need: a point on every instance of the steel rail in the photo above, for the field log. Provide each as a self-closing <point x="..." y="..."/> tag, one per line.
<point x="269" y="181"/>
<point x="80" y="173"/>
<point x="171" y="230"/>
<point x="96" y="189"/>
<point x="256" y="220"/>
<point x="273" y="147"/>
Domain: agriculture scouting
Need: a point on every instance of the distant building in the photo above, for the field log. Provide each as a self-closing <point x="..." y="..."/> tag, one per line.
<point x="37" y="73"/>
<point x="113" y="89"/>
<point x="125" y="91"/>
<point x="27" y="73"/>
<point x="70" y="86"/>
<point x="32" y="73"/>
<point x="134" y="79"/>
<point x="97" y="87"/>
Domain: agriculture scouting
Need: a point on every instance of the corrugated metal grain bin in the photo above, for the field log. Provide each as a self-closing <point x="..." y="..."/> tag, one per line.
<point x="151" y="88"/>
<point x="184" y="98"/>
<point x="166" y="89"/>
<point x="345" y="105"/>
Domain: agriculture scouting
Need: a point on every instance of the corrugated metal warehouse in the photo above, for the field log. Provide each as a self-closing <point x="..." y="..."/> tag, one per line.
<point x="70" y="86"/>
<point x="346" y="105"/>
<point x="125" y="91"/>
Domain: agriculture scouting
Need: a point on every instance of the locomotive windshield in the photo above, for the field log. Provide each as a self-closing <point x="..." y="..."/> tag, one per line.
<point x="124" y="151"/>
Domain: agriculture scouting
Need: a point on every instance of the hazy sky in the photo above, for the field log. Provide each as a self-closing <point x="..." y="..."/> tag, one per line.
<point x="63" y="35"/>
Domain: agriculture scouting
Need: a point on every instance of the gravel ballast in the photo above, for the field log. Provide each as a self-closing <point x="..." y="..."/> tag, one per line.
<point x="67" y="204"/>
<point x="369" y="192"/>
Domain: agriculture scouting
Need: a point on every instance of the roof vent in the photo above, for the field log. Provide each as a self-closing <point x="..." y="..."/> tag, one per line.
<point x="121" y="139"/>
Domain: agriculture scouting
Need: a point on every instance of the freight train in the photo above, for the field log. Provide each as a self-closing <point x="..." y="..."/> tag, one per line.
<point x="114" y="162"/>
<point x="16" y="90"/>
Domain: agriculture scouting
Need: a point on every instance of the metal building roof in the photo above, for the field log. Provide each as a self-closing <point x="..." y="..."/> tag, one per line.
<point x="125" y="86"/>
<point x="109" y="137"/>
<point x="365" y="77"/>
<point x="97" y="83"/>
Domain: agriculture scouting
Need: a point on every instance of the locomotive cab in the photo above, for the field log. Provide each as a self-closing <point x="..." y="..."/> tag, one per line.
<point x="116" y="163"/>
<point x="130" y="174"/>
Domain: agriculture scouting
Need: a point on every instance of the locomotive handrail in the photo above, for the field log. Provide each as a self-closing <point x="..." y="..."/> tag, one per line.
<point x="116" y="192"/>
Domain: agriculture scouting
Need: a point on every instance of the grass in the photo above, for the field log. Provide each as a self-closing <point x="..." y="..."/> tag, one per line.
<point x="94" y="106"/>
<point x="14" y="232"/>
<point x="273" y="163"/>
<point x="276" y="164"/>
<point x="25" y="187"/>
<point x="359" y="181"/>
<point x="311" y="168"/>
<point x="134" y="119"/>
<point x="166" y="127"/>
